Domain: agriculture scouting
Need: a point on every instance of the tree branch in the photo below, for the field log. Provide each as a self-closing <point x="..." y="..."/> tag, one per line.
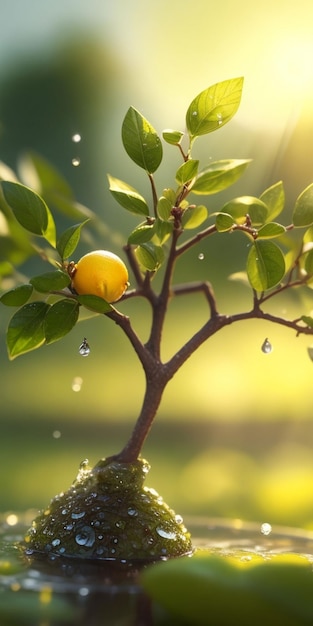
<point x="205" y="287"/>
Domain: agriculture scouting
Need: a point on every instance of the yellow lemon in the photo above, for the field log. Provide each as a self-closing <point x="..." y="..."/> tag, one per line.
<point x="100" y="273"/>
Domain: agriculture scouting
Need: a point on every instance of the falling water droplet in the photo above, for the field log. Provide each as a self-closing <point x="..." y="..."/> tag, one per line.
<point x="84" y="348"/>
<point x="266" y="528"/>
<point x="76" y="161"/>
<point x="76" y="138"/>
<point x="201" y="256"/>
<point x="11" y="519"/>
<point x="266" y="346"/>
<point x="77" y="383"/>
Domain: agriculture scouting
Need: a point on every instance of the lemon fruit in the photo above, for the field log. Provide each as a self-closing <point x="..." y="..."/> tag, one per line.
<point x="100" y="273"/>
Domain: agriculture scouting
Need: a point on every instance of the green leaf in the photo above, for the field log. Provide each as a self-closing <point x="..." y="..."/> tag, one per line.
<point x="187" y="172"/>
<point x="308" y="264"/>
<point x="173" y="137"/>
<point x="240" y="207"/>
<point x="69" y="240"/>
<point x="26" y="329"/>
<point x="60" y="319"/>
<point x="42" y="176"/>
<point x="214" y="107"/>
<point x="303" y="210"/>
<point x="194" y="216"/>
<point x="274" y="198"/>
<point x="150" y="256"/>
<point x="224" y="222"/>
<point x="265" y="265"/>
<point x="308" y="320"/>
<point x="163" y="230"/>
<point x="270" y="230"/>
<point x="30" y="210"/>
<point x="95" y="303"/>
<point x="141" y="234"/>
<point x="127" y="196"/>
<point x="141" y="141"/>
<point x="17" y="296"/>
<point x="164" y="208"/>
<point x="310" y="348"/>
<point x="213" y="589"/>
<point x="50" y="281"/>
<point x="219" y="175"/>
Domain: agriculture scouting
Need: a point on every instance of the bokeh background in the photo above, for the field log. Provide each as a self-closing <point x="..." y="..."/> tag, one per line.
<point x="234" y="433"/>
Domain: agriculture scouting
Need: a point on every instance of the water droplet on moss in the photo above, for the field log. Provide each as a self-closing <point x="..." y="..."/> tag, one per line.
<point x="55" y="542"/>
<point x="78" y="515"/>
<point x="85" y="537"/>
<point x="166" y="534"/>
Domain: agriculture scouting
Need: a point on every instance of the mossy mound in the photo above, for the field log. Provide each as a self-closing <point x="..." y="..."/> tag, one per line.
<point x="108" y="514"/>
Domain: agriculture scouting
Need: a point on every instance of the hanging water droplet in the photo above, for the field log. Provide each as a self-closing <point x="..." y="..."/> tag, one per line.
<point x="76" y="161"/>
<point x="84" y="348"/>
<point x="266" y="346"/>
<point x="201" y="256"/>
<point x="266" y="528"/>
<point x="76" y="138"/>
<point x="77" y="383"/>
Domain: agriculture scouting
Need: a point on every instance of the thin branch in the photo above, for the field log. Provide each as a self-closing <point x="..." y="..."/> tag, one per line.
<point x="146" y="359"/>
<point x="214" y="324"/>
<point x="194" y="240"/>
<point x="154" y="194"/>
<point x="205" y="287"/>
<point x="134" y="265"/>
<point x="281" y="288"/>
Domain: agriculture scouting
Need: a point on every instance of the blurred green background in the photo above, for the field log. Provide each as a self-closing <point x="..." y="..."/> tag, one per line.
<point x="234" y="432"/>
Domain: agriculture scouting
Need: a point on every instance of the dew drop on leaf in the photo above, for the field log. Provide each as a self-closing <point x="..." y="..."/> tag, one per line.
<point x="56" y="434"/>
<point x="84" y="348"/>
<point x="76" y="161"/>
<point x="201" y="256"/>
<point x="266" y="346"/>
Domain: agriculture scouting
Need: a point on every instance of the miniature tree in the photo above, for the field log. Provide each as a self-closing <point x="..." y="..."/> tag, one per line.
<point x="107" y="513"/>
